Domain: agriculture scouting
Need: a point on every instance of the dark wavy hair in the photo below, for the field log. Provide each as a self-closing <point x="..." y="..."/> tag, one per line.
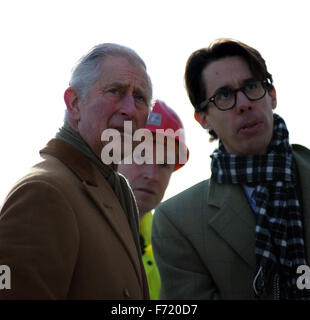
<point x="220" y="48"/>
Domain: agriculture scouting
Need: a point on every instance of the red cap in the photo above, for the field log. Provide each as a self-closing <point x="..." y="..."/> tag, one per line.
<point x="163" y="117"/>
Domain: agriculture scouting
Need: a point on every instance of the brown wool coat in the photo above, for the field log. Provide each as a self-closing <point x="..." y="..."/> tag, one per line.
<point x="64" y="234"/>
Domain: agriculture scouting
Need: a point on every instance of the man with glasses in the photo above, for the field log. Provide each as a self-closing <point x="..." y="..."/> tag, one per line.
<point x="243" y="233"/>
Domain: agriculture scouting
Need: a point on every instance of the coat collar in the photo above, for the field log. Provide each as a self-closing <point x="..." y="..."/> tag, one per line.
<point x="99" y="190"/>
<point x="234" y="220"/>
<point x="72" y="158"/>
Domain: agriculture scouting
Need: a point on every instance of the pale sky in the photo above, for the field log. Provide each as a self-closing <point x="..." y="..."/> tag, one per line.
<point x="42" y="40"/>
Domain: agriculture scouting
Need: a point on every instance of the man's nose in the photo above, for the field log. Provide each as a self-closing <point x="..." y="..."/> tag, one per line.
<point x="128" y="107"/>
<point x="243" y="104"/>
<point x="151" y="172"/>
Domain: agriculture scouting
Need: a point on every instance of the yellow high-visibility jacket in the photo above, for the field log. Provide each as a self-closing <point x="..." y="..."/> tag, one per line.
<point x="151" y="270"/>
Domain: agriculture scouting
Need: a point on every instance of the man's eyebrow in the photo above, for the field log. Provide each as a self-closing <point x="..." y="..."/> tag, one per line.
<point x="243" y="82"/>
<point x="220" y="89"/>
<point x="249" y="80"/>
<point x="144" y="92"/>
<point x="140" y="90"/>
<point x="115" y="84"/>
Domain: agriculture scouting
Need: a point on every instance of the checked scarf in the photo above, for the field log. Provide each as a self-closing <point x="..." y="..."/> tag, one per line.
<point x="279" y="241"/>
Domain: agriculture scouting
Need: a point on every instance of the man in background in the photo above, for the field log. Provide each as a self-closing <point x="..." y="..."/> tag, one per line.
<point x="150" y="181"/>
<point x="69" y="229"/>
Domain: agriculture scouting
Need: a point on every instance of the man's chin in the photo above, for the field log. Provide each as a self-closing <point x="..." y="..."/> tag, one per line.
<point x="145" y="202"/>
<point x="255" y="148"/>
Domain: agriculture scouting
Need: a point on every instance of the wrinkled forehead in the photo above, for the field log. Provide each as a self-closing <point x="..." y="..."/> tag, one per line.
<point x="121" y="68"/>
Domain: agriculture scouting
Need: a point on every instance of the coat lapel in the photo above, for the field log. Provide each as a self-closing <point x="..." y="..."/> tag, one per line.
<point x="233" y="219"/>
<point x="99" y="191"/>
<point x="110" y="206"/>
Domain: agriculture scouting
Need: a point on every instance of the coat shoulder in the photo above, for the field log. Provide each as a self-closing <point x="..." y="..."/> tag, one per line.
<point x="302" y="156"/>
<point x="48" y="171"/>
<point x="301" y="151"/>
<point x="49" y="177"/>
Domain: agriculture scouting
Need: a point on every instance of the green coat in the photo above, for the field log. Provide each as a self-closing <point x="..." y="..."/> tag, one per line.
<point x="203" y="239"/>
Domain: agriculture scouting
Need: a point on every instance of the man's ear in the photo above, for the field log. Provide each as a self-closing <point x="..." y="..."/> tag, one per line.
<point x="273" y="95"/>
<point x="202" y="118"/>
<point x="72" y="101"/>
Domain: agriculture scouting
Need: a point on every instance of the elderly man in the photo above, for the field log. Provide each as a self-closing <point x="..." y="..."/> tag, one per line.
<point x="243" y="233"/>
<point x="149" y="181"/>
<point x="69" y="229"/>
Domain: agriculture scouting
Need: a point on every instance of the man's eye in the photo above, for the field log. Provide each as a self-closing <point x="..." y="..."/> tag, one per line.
<point x="139" y="98"/>
<point x="251" y="86"/>
<point x="163" y="165"/>
<point x="224" y="94"/>
<point x="113" y="91"/>
<point x="168" y="166"/>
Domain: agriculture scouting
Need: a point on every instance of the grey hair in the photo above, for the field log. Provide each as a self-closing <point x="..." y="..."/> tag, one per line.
<point x="87" y="69"/>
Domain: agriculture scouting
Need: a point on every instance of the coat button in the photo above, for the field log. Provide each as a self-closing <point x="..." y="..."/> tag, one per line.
<point x="126" y="293"/>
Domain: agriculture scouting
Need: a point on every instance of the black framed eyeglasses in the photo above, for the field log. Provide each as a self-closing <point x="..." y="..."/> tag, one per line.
<point x="225" y="97"/>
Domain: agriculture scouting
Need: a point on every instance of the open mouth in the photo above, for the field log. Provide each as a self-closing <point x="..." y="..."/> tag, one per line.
<point x="250" y="127"/>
